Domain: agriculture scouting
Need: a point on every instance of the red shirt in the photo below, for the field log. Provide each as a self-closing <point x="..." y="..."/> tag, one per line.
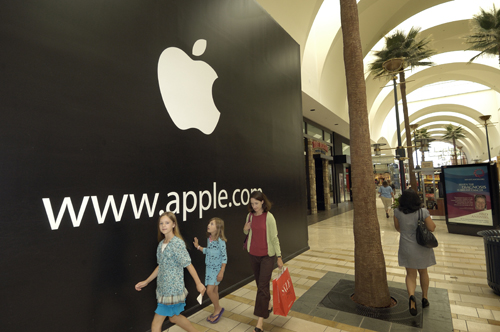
<point x="258" y="245"/>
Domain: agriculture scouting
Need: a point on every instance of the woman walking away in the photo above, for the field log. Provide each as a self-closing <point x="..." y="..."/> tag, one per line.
<point x="411" y="255"/>
<point x="386" y="194"/>
<point x="216" y="261"/>
<point x="264" y="247"/>
<point x="172" y="258"/>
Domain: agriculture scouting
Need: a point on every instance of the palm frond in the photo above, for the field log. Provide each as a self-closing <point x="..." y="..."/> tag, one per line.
<point x="453" y="132"/>
<point x="401" y="45"/>
<point x="485" y="33"/>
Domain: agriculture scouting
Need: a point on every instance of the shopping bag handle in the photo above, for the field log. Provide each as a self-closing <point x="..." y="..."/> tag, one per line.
<point x="281" y="271"/>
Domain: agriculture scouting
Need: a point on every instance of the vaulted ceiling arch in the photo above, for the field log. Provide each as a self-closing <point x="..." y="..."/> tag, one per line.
<point x="477" y="73"/>
<point x="437" y="131"/>
<point x="468" y="114"/>
<point x="323" y="76"/>
<point x="470" y="129"/>
<point x="471" y="135"/>
<point x="332" y="88"/>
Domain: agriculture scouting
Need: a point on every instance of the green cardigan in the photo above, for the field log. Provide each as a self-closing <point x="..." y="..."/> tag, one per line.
<point x="273" y="243"/>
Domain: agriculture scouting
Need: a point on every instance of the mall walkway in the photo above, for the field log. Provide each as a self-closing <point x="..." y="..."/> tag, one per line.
<point x="460" y="270"/>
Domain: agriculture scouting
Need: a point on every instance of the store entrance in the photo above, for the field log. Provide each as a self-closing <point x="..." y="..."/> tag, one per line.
<point x="320" y="185"/>
<point x="324" y="180"/>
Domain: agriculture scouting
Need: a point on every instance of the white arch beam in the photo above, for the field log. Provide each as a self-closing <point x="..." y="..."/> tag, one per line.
<point x="471" y="131"/>
<point x="472" y="72"/>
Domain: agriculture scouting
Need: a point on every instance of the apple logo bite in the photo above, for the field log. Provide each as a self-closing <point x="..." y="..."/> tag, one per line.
<point x="186" y="88"/>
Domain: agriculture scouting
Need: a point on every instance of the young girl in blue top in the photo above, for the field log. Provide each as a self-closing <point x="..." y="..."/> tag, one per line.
<point x="216" y="261"/>
<point x="172" y="258"/>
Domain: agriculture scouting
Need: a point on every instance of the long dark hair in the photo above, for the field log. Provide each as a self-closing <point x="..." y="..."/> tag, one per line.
<point x="260" y="196"/>
<point x="409" y="202"/>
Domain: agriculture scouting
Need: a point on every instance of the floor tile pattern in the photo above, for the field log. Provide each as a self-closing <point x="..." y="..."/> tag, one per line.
<point x="438" y="319"/>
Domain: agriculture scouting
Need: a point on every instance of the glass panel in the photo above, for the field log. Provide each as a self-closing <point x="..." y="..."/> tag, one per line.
<point x="341" y="187"/>
<point x="303" y="127"/>
<point x="328" y="137"/>
<point x="314" y="131"/>
<point x="330" y="175"/>
<point x="346" y="149"/>
<point x="329" y="153"/>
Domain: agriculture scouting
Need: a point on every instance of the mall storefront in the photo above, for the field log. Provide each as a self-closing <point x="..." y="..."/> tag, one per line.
<point x="328" y="166"/>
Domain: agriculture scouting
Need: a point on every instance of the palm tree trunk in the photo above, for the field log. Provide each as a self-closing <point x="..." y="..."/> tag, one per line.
<point x="402" y="87"/>
<point x="371" y="287"/>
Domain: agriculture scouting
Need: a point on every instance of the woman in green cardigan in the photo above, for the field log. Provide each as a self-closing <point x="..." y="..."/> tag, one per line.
<point x="263" y="246"/>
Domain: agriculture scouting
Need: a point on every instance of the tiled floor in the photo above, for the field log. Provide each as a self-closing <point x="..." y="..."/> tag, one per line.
<point x="460" y="269"/>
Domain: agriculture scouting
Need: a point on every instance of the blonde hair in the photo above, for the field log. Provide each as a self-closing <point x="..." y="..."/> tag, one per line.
<point x="176" y="230"/>
<point x="219" y="224"/>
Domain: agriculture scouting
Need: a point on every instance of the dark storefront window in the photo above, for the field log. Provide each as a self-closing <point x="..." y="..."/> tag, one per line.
<point x="314" y="132"/>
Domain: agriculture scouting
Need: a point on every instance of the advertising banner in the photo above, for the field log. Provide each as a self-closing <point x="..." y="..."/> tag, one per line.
<point x="468" y="196"/>
<point x="112" y="111"/>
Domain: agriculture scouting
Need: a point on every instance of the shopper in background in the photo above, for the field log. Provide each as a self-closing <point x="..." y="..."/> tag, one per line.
<point x="387" y="195"/>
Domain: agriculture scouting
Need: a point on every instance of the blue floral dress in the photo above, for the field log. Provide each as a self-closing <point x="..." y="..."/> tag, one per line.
<point x="216" y="255"/>
<point x="172" y="260"/>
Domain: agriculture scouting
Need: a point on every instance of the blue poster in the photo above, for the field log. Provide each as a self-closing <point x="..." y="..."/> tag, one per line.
<point x="468" y="196"/>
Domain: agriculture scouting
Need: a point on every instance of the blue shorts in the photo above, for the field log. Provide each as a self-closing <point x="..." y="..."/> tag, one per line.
<point x="170" y="310"/>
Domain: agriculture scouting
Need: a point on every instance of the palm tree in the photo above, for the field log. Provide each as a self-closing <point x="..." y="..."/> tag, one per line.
<point x="419" y="134"/>
<point x="371" y="287"/>
<point x="485" y="35"/>
<point x="413" y="50"/>
<point x="453" y="133"/>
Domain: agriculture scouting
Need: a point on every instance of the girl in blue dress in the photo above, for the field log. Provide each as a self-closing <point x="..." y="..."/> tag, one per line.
<point x="172" y="258"/>
<point x="216" y="260"/>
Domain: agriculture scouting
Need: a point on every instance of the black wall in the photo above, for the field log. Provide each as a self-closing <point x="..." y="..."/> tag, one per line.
<point x="82" y="118"/>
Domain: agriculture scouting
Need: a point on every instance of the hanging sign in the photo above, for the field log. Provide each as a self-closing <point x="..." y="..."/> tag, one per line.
<point x="319" y="147"/>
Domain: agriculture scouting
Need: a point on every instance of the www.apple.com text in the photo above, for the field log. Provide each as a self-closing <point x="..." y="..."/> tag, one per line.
<point x="203" y="201"/>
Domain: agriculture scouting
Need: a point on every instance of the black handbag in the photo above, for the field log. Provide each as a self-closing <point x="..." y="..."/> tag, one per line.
<point x="245" y="243"/>
<point x="246" y="237"/>
<point x="425" y="237"/>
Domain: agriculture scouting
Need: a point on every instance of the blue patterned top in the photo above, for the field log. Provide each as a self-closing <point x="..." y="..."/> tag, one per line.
<point x="170" y="287"/>
<point x="216" y="255"/>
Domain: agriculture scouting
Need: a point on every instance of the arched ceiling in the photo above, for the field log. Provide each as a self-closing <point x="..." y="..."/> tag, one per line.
<point x="315" y="25"/>
<point x="453" y="71"/>
<point x="474" y="136"/>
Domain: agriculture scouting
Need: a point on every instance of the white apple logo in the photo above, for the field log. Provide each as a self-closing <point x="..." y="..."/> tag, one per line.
<point x="186" y="88"/>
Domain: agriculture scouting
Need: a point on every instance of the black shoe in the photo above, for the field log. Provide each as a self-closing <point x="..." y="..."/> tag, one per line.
<point x="413" y="311"/>
<point x="387" y="215"/>
<point x="425" y="302"/>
